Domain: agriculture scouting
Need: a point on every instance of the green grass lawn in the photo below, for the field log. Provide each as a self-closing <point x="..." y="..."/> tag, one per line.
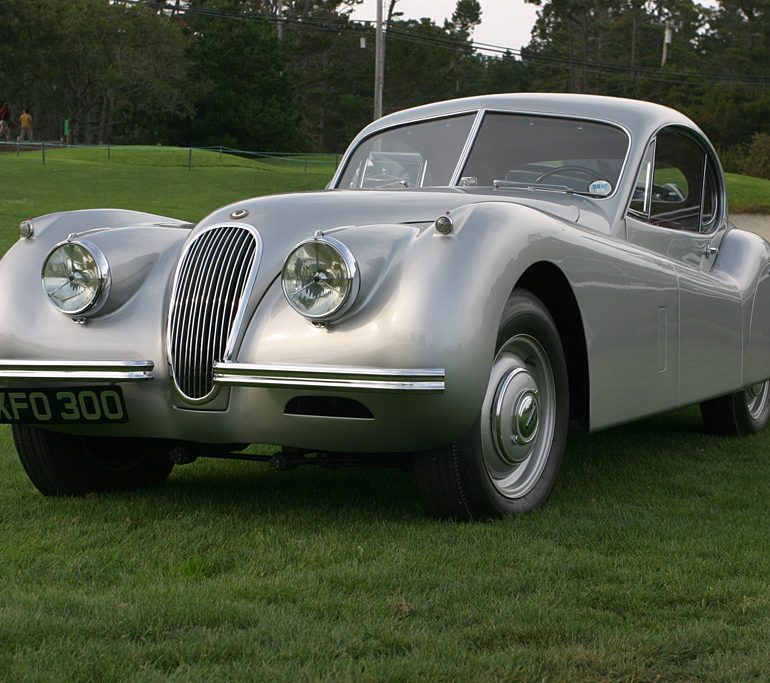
<point x="145" y="179"/>
<point x="747" y="194"/>
<point x="649" y="563"/>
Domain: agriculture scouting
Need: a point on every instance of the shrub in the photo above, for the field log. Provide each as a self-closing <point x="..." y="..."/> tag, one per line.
<point x="756" y="160"/>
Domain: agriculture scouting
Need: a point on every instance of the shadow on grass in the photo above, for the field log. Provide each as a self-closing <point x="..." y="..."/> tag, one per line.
<point x="254" y="489"/>
<point x="646" y="454"/>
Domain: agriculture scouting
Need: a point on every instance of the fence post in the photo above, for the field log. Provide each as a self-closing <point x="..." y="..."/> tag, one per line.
<point x="42" y="149"/>
<point x="109" y="151"/>
<point x="189" y="160"/>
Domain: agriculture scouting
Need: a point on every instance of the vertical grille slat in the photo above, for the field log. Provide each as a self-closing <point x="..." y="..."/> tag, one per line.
<point x="214" y="259"/>
<point x="209" y="290"/>
<point x="215" y="329"/>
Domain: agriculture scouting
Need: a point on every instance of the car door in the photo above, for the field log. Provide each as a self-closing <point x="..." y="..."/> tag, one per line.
<point x="677" y="212"/>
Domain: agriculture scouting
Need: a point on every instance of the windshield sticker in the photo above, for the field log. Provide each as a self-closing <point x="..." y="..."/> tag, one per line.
<point x="600" y="187"/>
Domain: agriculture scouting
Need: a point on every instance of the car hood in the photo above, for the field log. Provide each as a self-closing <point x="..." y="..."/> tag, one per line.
<point x="290" y="218"/>
<point x="285" y="220"/>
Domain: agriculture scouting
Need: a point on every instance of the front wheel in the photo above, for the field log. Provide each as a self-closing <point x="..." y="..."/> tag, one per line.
<point x="745" y="412"/>
<point x="67" y="464"/>
<point x="508" y="462"/>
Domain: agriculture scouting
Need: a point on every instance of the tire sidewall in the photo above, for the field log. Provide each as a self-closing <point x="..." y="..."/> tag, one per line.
<point x="524" y="314"/>
<point x="746" y="422"/>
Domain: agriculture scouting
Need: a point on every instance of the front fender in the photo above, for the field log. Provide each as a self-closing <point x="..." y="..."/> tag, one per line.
<point x="434" y="302"/>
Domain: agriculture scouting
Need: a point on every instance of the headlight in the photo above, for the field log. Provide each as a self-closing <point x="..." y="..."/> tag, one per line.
<point x="320" y="279"/>
<point x="76" y="277"/>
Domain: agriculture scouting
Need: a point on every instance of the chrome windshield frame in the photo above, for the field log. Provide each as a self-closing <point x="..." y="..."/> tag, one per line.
<point x="473" y="133"/>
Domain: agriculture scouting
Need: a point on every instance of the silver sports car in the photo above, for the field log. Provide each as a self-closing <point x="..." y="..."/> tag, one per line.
<point x="480" y="276"/>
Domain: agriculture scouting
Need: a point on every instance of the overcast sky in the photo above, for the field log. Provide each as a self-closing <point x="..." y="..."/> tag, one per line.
<point x="507" y="23"/>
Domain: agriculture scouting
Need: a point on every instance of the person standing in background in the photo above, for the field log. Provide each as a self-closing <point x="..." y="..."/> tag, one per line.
<point x="25" y="130"/>
<point x="5" y="128"/>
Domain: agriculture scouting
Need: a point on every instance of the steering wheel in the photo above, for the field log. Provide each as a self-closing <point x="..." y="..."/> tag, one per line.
<point x="579" y="170"/>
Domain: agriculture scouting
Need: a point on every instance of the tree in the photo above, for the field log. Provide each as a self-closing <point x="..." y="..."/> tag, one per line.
<point x="98" y="64"/>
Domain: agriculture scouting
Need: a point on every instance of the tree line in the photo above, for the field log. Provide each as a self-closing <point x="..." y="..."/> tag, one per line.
<point x="297" y="75"/>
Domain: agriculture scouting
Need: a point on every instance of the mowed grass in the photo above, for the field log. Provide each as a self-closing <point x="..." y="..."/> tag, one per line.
<point x="649" y="563"/>
<point x="748" y="194"/>
<point x="150" y="179"/>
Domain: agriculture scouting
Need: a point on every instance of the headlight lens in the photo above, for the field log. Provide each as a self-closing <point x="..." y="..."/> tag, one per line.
<point x="320" y="279"/>
<point x="75" y="277"/>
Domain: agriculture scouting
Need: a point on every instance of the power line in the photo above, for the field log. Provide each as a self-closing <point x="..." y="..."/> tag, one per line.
<point x="414" y="35"/>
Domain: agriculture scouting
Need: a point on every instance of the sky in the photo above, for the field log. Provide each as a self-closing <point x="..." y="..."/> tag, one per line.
<point x="507" y="23"/>
<point x="503" y="22"/>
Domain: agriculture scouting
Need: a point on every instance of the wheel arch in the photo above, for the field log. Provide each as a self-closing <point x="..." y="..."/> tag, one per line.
<point x="549" y="284"/>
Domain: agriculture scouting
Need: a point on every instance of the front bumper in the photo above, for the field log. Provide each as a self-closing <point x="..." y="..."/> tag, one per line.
<point x="330" y="377"/>
<point x="268" y="375"/>
<point x="410" y="408"/>
<point x="76" y="371"/>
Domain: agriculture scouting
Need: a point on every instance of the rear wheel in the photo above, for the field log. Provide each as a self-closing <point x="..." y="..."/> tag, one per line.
<point x="745" y="412"/>
<point x="66" y="464"/>
<point x="508" y="462"/>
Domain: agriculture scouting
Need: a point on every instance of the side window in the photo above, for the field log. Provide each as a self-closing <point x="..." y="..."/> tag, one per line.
<point x="710" y="199"/>
<point x="677" y="186"/>
<point x="640" y="201"/>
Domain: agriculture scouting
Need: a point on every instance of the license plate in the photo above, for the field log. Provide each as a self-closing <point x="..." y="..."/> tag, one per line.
<point x="75" y="405"/>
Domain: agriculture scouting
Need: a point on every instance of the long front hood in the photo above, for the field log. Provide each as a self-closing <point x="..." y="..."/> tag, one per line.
<point x="285" y="220"/>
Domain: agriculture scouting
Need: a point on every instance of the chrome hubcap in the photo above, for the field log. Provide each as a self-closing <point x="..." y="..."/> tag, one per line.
<point x="525" y="417"/>
<point x="757" y="396"/>
<point x="520" y="415"/>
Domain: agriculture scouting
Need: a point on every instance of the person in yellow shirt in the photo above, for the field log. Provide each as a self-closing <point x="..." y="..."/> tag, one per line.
<point x="25" y="122"/>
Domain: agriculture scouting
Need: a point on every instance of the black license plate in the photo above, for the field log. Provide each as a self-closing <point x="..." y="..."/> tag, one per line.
<point x="75" y="405"/>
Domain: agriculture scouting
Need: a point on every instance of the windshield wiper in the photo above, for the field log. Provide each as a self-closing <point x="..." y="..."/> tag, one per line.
<point x="502" y="184"/>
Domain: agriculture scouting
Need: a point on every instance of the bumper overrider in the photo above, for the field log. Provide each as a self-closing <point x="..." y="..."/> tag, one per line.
<point x="267" y="375"/>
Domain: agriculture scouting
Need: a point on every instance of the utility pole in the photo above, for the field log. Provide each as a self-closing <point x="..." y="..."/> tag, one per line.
<point x="379" y="63"/>
<point x="667" y="35"/>
<point x="279" y="16"/>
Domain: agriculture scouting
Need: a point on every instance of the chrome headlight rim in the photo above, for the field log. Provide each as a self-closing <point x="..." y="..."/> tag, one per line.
<point x="104" y="279"/>
<point x="354" y="279"/>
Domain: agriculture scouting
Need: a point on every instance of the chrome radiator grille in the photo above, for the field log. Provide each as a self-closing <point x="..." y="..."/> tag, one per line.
<point x="209" y="291"/>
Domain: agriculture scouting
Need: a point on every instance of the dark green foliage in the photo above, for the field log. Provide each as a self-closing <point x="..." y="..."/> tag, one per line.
<point x="242" y="88"/>
<point x="232" y="72"/>
<point x="756" y="161"/>
<point x="110" y="69"/>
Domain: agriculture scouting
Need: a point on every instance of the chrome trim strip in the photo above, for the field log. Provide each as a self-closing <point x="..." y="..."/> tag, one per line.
<point x="466" y="150"/>
<point x="77" y="371"/>
<point x="330" y="377"/>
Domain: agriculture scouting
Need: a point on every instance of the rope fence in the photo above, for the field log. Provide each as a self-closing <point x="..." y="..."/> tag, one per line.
<point x="181" y="156"/>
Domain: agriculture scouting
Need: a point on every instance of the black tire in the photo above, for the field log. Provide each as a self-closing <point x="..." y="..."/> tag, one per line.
<point x="745" y="412"/>
<point x="506" y="466"/>
<point x="70" y="465"/>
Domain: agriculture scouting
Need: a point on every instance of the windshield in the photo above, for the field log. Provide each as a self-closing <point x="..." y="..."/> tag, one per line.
<point x="510" y="151"/>
<point x="421" y="154"/>
<point x="546" y="152"/>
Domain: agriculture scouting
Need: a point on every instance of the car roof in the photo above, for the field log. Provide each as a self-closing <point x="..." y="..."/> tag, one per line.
<point x="639" y="118"/>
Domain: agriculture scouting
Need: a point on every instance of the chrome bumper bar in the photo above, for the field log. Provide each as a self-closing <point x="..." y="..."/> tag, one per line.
<point x="76" y="371"/>
<point x="330" y="377"/>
